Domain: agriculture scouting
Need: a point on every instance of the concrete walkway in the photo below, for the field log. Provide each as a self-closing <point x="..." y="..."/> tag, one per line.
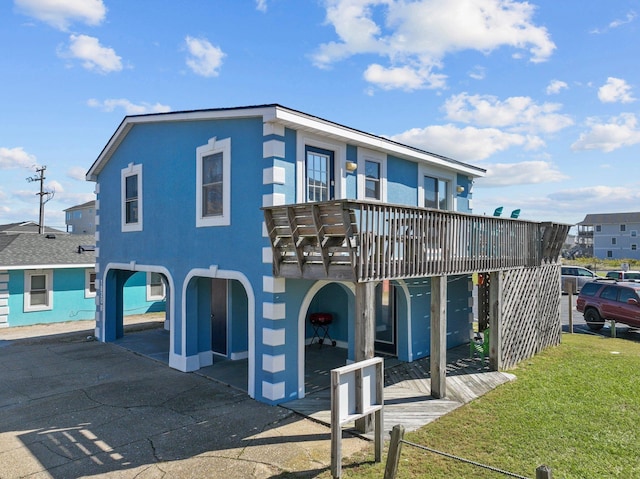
<point x="72" y="407"/>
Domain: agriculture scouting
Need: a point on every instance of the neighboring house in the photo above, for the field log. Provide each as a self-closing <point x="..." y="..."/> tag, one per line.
<point x="81" y="219"/>
<point x="256" y="217"/>
<point x="29" y="227"/>
<point x="51" y="278"/>
<point x="610" y="235"/>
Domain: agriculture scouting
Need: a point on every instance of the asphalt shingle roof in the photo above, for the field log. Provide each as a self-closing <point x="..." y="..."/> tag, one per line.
<point x="25" y="227"/>
<point x="611" y="218"/>
<point x="38" y="250"/>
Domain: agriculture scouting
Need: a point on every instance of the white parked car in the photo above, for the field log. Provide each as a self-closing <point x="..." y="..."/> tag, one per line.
<point x="576" y="275"/>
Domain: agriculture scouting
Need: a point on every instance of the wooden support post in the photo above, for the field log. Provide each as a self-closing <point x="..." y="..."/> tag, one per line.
<point x="570" y="312"/>
<point x="612" y="323"/>
<point x="543" y="472"/>
<point x="393" y="456"/>
<point x="495" y="321"/>
<point x="365" y="331"/>
<point x="438" y="359"/>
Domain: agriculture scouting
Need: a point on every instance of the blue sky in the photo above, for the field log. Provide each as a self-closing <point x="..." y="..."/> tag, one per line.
<point x="542" y="94"/>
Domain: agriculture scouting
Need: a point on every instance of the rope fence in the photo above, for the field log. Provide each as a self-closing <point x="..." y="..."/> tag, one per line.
<point x="395" y="447"/>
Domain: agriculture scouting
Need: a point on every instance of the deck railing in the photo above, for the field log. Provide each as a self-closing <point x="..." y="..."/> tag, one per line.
<point x="362" y="241"/>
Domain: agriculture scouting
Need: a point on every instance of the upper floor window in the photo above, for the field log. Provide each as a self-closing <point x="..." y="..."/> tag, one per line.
<point x="436" y="193"/>
<point x="598" y="228"/>
<point x="634" y="233"/>
<point x="372" y="179"/>
<point x="38" y="290"/>
<point x="131" y="191"/>
<point x="614" y="241"/>
<point x="319" y="174"/>
<point x="213" y="183"/>
<point x="623" y="227"/>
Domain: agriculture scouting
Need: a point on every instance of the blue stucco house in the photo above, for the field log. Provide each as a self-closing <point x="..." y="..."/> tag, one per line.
<point x="257" y="217"/>
<point x="50" y="277"/>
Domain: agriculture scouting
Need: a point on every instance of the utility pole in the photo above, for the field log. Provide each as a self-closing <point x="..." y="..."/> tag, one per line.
<point x="49" y="194"/>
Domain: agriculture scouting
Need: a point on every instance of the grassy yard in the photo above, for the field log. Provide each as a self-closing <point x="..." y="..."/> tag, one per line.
<point x="575" y="408"/>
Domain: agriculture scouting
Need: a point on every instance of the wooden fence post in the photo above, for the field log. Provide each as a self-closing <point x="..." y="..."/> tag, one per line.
<point x="570" y="311"/>
<point x="393" y="456"/>
<point x="543" y="472"/>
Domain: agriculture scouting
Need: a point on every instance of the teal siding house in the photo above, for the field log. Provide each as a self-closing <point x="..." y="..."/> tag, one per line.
<point x="47" y="278"/>
<point x="192" y="197"/>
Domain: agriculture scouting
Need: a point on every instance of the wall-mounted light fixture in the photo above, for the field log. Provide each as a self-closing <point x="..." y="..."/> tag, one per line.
<point x="351" y="166"/>
<point x="460" y="189"/>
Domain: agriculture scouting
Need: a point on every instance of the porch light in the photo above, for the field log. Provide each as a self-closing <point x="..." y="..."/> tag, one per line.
<point x="351" y="166"/>
<point x="460" y="189"/>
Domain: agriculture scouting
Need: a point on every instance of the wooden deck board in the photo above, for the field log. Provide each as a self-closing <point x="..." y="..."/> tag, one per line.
<point x="407" y="392"/>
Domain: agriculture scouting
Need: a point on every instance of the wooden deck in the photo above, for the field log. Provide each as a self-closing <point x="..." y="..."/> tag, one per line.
<point x="407" y="392"/>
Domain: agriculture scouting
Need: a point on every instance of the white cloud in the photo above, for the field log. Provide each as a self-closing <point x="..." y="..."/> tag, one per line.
<point x="478" y="73"/>
<point x="618" y="132"/>
<point x="523" y="173"/>
<point x="464" y="144"/>
<point x="629" y="17"/>
<point x="94" y="56"/>
<point x="60" y="14"/>
<point x="515" y="113"/>
<point x="598" y="194"/>
<point x="205" y="59"/>
<point x="406" y="78"/>
<point x="261" y="5"/>
<point x="77" y="173"/>
<point x="556" y="86"/>
<point x="130" y="108"/>
<point x="615" y="90"/>
<point x="419" y="34"/>
<point x="11" y="158"/>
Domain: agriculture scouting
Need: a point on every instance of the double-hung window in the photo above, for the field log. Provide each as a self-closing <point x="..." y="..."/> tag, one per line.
<point x="155" y="287"/>
<point x="90" y="283"/>
<point x="131" y="191"/>
<point x="38" y="290"/>
<point x="213" y="183"/>
<point x="372" y="180"/>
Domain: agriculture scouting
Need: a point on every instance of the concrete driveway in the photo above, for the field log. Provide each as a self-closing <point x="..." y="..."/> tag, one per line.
<point x="71" y="407"/>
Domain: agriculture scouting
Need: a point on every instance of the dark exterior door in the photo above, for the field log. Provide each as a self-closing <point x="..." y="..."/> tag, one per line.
<point x="386" y="319"/>
<point x="219" y="316"/>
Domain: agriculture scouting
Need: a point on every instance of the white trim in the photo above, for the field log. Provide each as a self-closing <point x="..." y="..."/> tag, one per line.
<point x="214" y="272"/>
<point x="339" y="150"/>
<point x="378" y="157"/>
<point x="302" y="317"/>
<point x="87" y="283"/>
<point x="48" y="266"/>
<point x="48" y="285"/>
<point x="270" y="284"/>
<point x="273" y="149"/>
<point x="130" y="170"/>
<point x="273" y="337"/>
<point x="274" y="175"/>
<point x="212" y="147"/>
<point x="273" y="392"/>
<point x="448" y="176"/>
<point x="267" y="255"/>
<point x="275" y="311"/>
<point x="273" y="364"/>
<point x="273" y="199"/>
<point x="275" y="118"/>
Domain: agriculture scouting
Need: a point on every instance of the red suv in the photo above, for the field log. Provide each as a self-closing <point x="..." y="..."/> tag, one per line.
<point x="606" y="300"/>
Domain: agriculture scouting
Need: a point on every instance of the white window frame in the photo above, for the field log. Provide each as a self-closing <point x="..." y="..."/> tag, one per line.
<point x="125" y="173"/>
<point x="365" y="155"/>
<point x="87" y="283"/>
<point x="339" y="164"/>
<point x="212" y="147"/>
<point x="449" y="177"/>
<point x="155" y="297"/>
<point x="48" y="274"/>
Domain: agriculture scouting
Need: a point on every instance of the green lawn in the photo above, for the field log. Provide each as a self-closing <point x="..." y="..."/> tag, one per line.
<point x="575" y="408"/>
